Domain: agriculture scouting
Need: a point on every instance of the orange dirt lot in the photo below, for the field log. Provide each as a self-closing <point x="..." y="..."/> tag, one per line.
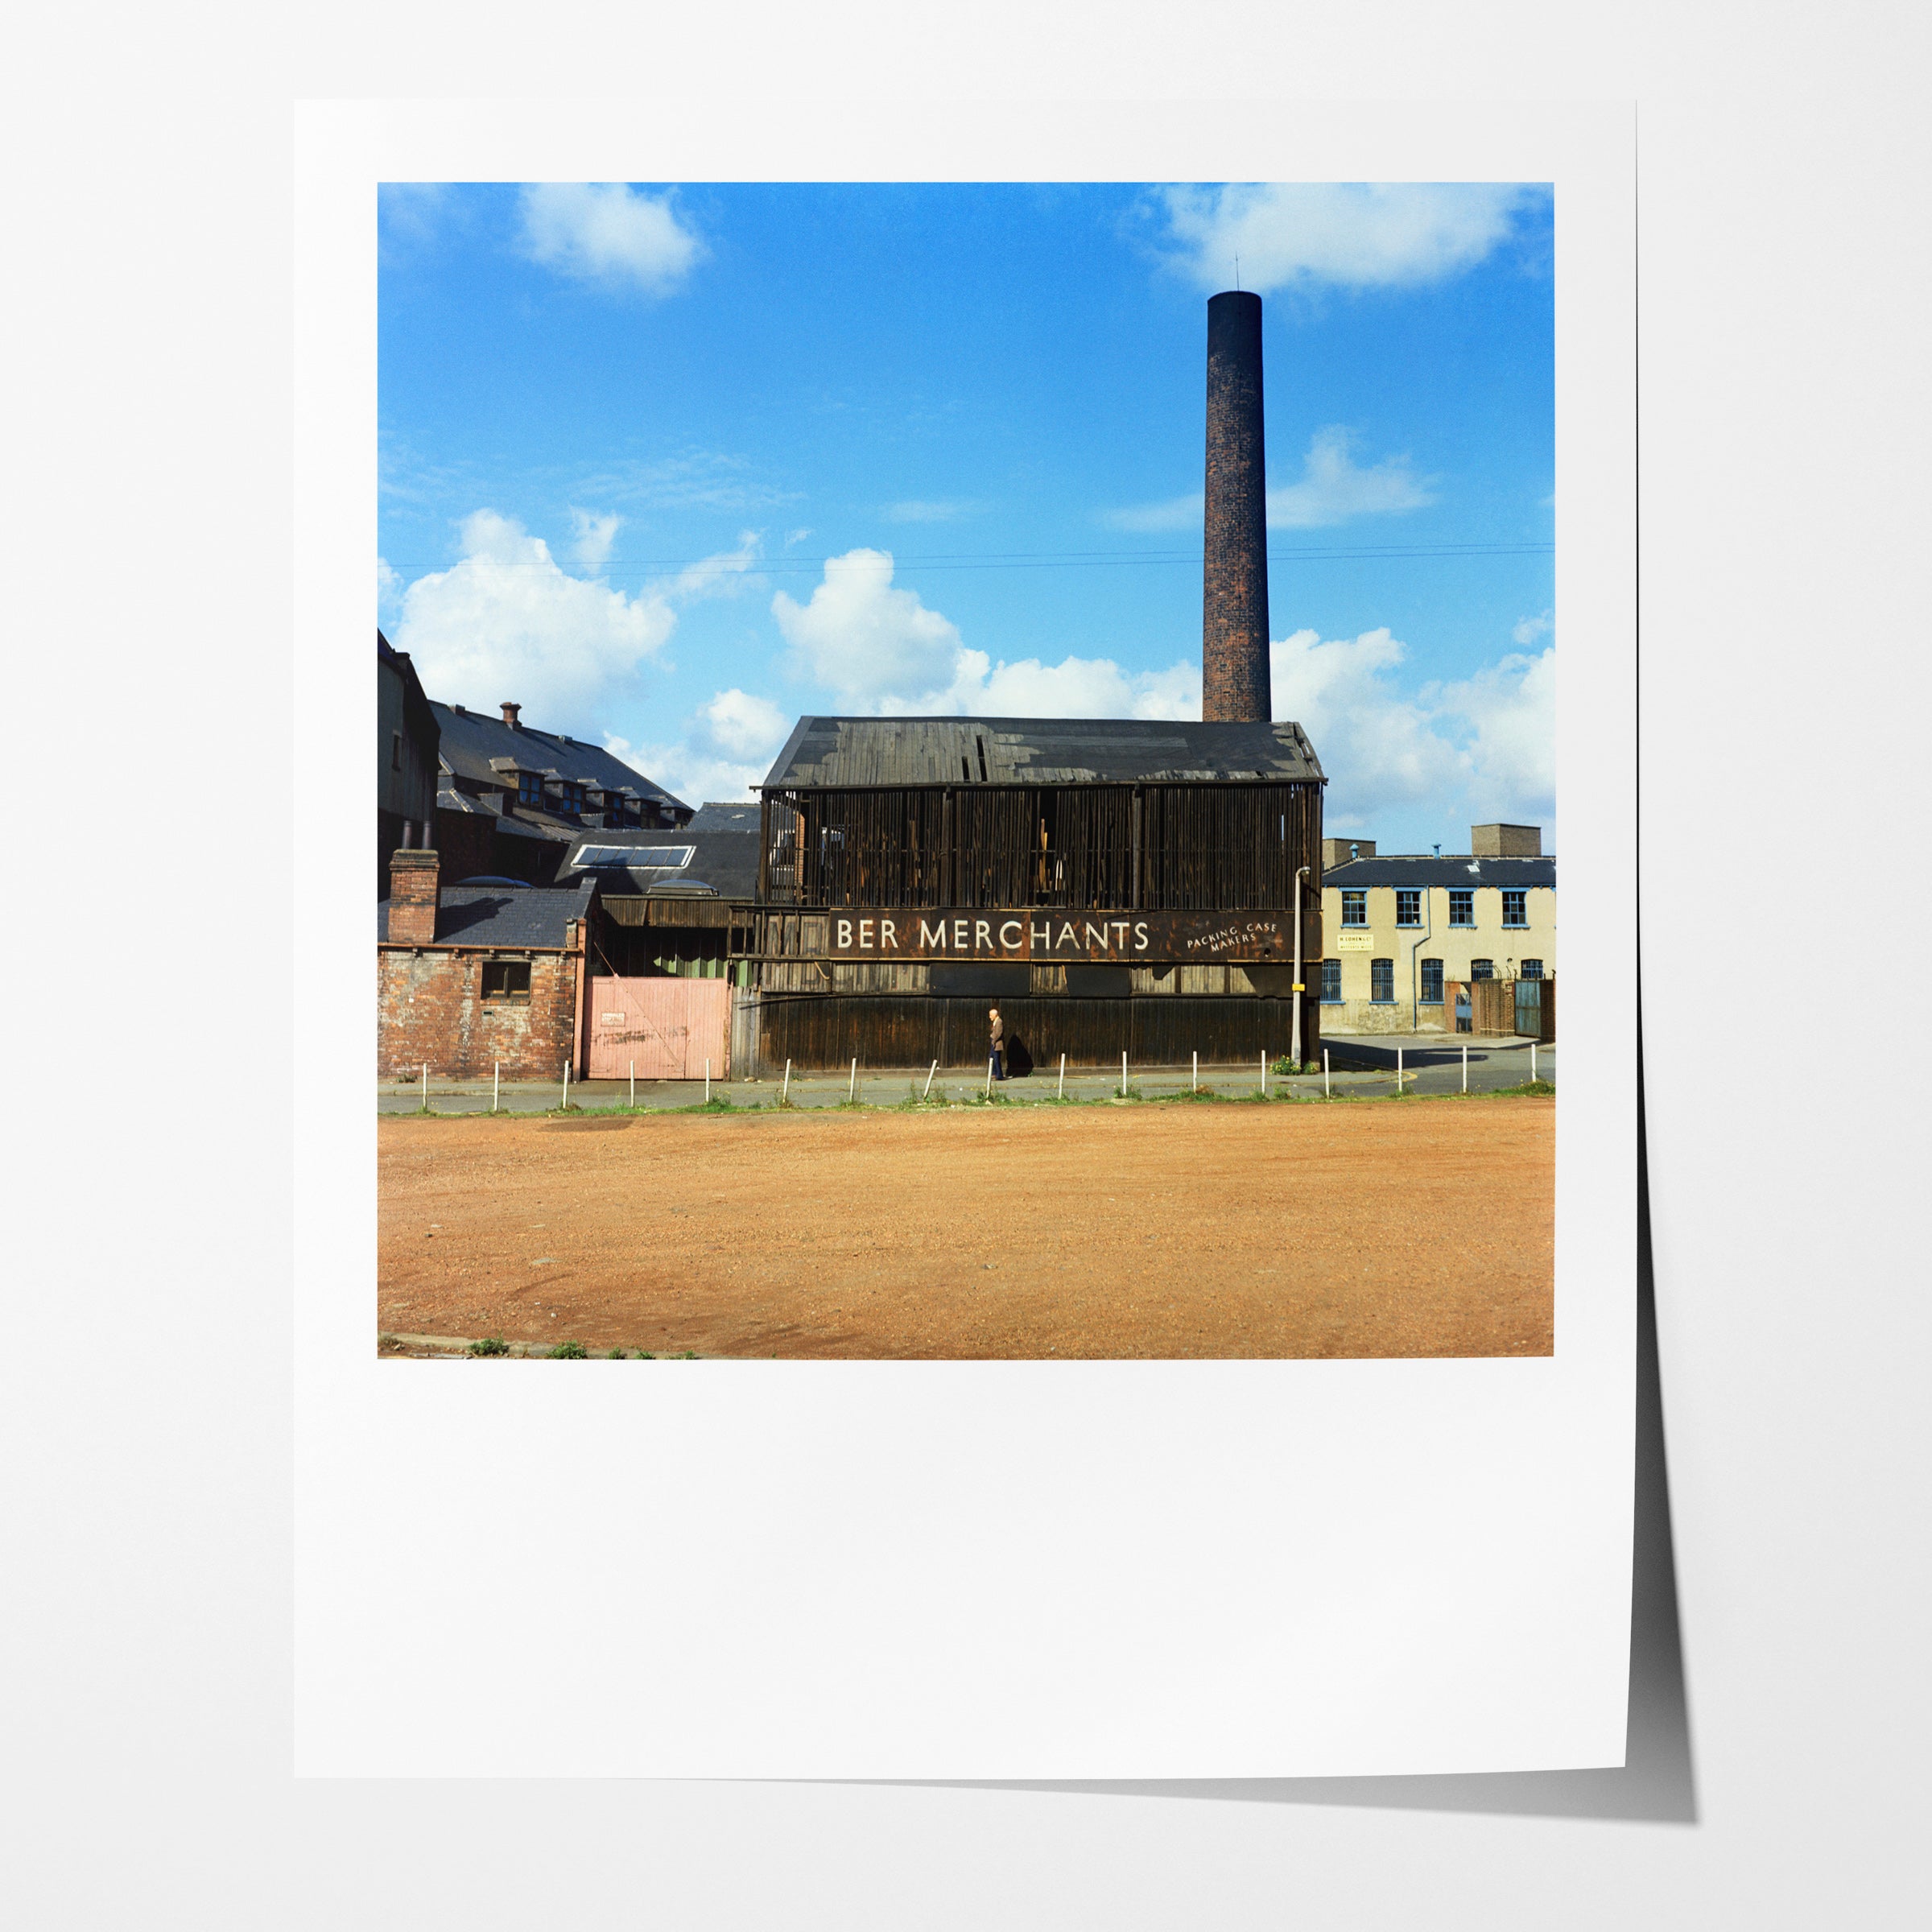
<point x="1402" y="1228"/>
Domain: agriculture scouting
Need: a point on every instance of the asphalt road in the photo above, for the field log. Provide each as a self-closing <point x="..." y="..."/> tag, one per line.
<point x="1357" y="1065"/>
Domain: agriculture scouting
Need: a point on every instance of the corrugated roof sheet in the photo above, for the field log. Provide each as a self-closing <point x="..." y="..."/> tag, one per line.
<point x="1038" y="751"/>
<point x="1395" y="869"/>
<point x="502" y="915"/>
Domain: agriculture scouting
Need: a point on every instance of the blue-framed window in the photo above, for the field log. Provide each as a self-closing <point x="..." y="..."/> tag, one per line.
<point x="1381" y="980"/>
<point x="1332" y="982"/>
<point x="1355" y="907"/>
<point x="1532" y="969"/>
<point x="1408" y="905"/>
<point x="1462" y="904"/>
<point x="1516" y="906"/>
<point x="1482" y="969"/>
<point x="1432" y="982"/>
<point x="530" y="788"/>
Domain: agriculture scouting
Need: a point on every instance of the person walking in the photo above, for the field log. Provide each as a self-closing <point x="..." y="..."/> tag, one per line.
<point x="999" y="1046"/>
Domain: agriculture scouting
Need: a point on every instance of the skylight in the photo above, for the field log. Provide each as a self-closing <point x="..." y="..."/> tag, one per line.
<point x="668" y="858"/>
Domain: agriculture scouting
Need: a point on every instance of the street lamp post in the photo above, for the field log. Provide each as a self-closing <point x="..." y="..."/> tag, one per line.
<point x="1295" y="1020"/>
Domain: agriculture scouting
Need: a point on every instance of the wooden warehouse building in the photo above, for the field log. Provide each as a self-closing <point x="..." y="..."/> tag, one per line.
<point x="1111" y="885"/>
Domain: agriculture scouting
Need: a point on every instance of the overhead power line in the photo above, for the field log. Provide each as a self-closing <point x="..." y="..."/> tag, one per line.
<point x="1076" y="560"/>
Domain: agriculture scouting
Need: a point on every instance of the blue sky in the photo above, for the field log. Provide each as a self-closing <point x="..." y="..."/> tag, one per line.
<point x="669" y="466"/>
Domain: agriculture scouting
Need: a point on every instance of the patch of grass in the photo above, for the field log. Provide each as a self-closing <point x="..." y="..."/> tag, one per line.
<point x="1194" y="1094"/>
<point x="568" y="1352"/>
<point x="1535" y="1089"/>
<point x="644" y="1355"/>
<point x="490" y="1344"/>
<point x="689" y="1355"/>
<point x="616" y="1355"/>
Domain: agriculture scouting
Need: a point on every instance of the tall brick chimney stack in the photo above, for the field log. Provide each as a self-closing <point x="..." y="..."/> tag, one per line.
<point x="412" y="898"/>
<point x="1234" y="599"/>
<point x="510" y="714"/>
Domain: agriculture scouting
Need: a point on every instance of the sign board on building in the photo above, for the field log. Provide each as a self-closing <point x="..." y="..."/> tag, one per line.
<point x="1041" y="933"/>
<point x="1355" y="942"/>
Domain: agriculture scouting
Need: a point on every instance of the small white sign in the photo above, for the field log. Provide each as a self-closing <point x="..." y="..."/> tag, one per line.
<point x="611" y="1019"/>
<point x="1357" y="941"/>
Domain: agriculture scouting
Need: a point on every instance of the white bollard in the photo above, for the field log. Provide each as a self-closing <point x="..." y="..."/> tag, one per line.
<point x="1123" y="1074"/>
<point x="990" y="1076"/>
<point x="496" y="1083"/>
<point x="1194" y="1079"/>
<point x="1532" y="1060"/>
<point x="1264" y="1076"/>
<point x="708" y="1082"/>
<point x="785" y="1091"/>
<point x="1063" y="1092"/>
<point x="1324" y="1073"/>
<point x="426" y="1086"/>
<point x="851" y="1086"/>
<point x="633" y="1082"/>
<point x="1398" y="1070"/>
<point x="566" y="1087"/>
<point x="930" y="1071"/>
<point x="1465" y="1070"/>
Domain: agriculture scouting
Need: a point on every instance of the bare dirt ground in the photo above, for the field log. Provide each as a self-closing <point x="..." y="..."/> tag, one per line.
<point x="1399" y="1229"/>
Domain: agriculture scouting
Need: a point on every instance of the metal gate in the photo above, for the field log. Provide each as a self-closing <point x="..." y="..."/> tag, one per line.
<point x="665" y="1028"/>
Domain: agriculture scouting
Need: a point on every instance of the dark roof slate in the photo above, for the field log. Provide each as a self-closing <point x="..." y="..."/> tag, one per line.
<point x="502" y="915"/>
<point x="1393" y="869"/>
<point x="727" y="862"/>
<point x="1040" y="751"/>
<point x="739" y="815"/>
<point x="481" y="749"/>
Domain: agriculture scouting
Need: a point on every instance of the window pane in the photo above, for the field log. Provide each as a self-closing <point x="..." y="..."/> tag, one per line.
<point x="1532" y="969"/>
<point x="1432" y="982"/>
<point x="1381" y="979"/>
<point x="1462" y="907"/>
<point x="1515" y="910"/>
<point x="1482" y="969"/>
<point x="1408" y="907"/>
<point x="1331" y="980"/>
<point x="1355" y="908"/>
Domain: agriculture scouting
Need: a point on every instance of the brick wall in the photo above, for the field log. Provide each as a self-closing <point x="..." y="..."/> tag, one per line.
<point x="412" y="898"/>
<point x="430" y="1007"/>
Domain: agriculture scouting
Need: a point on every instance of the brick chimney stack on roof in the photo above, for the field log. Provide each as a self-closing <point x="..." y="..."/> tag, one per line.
<point x="511" y="712"/>
<point x="1234" y="600"/>
<point x="413" y="878"/>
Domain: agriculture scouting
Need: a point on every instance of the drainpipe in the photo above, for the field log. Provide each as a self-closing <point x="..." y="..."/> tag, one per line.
<point x="1415" y="994"/>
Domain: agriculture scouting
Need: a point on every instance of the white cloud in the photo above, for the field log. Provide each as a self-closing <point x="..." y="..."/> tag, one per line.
<point x="1457" y="753"/>
<point x="722" y="574"/>
<point x="1529" y="629"/>
<point x="1350" y="235"/>
<point x="877" y="648"/>
<point x="608" y="233"/>
<point x="389" y="586"/>
<point x="1332" y="489"/>
<point x="595" y="535"/>
<point x="724" y="752"/>
<point x="508" y="622"/>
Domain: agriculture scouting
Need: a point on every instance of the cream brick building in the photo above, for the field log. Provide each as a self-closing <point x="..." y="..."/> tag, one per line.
<point x="1399" y="934"/>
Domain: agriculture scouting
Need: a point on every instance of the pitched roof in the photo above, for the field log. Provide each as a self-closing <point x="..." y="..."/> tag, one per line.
<point x="484" y="748"/>
<point x="738" y="815"/>
<point x="503" y="915"/>
<point x="1460" y="870"/>
<point x="1038" y="751"/>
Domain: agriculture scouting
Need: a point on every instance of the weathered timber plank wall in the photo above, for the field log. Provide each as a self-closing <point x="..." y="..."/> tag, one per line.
<point x="902" y="1030"/>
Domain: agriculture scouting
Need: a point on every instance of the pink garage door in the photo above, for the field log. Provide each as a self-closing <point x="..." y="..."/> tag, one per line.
<point x="668" y="1027"/>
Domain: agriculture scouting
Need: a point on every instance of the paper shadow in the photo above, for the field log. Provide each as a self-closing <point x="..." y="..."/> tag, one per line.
<point x="1656" y="1783"/>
